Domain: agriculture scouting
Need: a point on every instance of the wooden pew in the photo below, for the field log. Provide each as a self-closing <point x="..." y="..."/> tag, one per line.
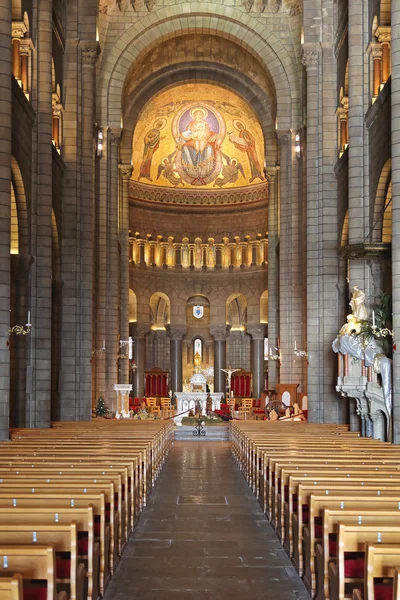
<point x="68" y="571"/>
<point x="352" y="539"/>
<point x="88" y="549"/>
<point x="11" y="587"/>
<point x="36" y="563"/>
<point x="361" y="511"/>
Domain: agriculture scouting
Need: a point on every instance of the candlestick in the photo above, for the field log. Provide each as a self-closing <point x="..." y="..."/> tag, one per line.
<point x="295" y="345"/>
<point x="373" y="319"/>
<point x="29" y="319"/>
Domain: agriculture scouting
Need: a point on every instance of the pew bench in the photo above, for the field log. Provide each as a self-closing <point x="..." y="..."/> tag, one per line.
<point x="11" y="587"/>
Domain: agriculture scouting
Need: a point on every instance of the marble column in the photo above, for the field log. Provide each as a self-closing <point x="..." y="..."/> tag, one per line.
<point x="39" y="403"/>
<point x="396" y="213"/>
<point x="139" y="347"/>
<point x="272" y="273"/>
<point x="176" y="333"/>
<point x="257" y="333"/>
<point x="219" y="333"/>
<point x="5" y="203"/>
<point x="125" y="175"/>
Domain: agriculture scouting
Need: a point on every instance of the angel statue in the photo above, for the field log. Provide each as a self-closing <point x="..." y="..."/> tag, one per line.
<point x="357" y="304"/>
<point x="230" y="171"/>
<point x="167" y="169"/>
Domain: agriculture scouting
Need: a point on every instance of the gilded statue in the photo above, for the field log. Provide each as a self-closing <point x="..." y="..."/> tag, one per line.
<point x="198" y="254"/>
<point x="225" y="254"/>
<point x="170" y="253"/>
<point x="211" y="254"/>
<point x="185" y="253"/>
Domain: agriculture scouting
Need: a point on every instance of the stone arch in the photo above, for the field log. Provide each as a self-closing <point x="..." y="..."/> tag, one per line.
<point x="345" y="230"/>
<point x="160" y="310"/>
<point x="236" y="311"/>
<point x="18" y="188"/>
<point x="132" y="307"/>
<point x="264" y="307"/>
<point x="241" y="27"/>
<point x="381" y="202"/>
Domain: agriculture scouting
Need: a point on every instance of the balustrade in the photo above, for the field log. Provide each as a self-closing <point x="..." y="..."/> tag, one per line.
<point x="196" y="254"/>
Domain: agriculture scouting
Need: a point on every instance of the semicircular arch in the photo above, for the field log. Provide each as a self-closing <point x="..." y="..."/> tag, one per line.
<point x="227" y="21"/>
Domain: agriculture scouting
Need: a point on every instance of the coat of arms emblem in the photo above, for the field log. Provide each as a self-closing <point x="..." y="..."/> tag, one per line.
<point x="198" y="311"/>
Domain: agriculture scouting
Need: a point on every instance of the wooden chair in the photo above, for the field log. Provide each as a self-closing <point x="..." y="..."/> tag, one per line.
<point x="153" y="407"/>
<point x="245" y="409"/>
<point x="166" y="409"/>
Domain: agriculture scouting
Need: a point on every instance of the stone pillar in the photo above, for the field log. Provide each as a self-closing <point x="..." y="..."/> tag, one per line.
<point x="39" y="404"/>
<point x="322" y="236"/>
<point x="358" y="176"/>
<point x="140" y="331"/>
<point x="272" y="273"/>
<point x="125" y="175"/>
<point x="396" y="213"/>
<point x="219" y="333"/>
<point x="5" y="203"/>
<point x="113" y="267"/>
<point x="257" y="333"/>
<point x="176" y="333"/>
<point x="383" y="35"/>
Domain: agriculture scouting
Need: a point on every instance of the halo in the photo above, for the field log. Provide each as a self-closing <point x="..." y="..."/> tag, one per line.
<point x="199" y="108"/>
<point x="236" y="122"/>
<point x="161" y="120"/>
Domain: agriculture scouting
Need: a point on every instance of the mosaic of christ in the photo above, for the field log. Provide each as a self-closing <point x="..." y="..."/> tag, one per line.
<point x="181" y="141"/>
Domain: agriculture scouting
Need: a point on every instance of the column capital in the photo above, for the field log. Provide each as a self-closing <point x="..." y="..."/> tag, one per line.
<point x="18" y="30"/>
<point x="126" y="171"/>
<point x="219" y="332"/>
<point x="284" y="136"/>
<point x="342" y="113"/>
<point x="115" y="134"/>
<point x="384" y="34"/>
<point x="26" y="46"/>
<point x="270" y="174"/>
<point x="310" y="56"/>
<point x="176" y="332"/>
<point x="375" y="50"/>
<point x="257" y="332"/>
<point x="90" y="52"/>
<point x="140" y="330"/>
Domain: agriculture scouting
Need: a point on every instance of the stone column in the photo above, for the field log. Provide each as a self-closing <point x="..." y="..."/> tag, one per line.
<point x="272" y="273"/>
<point x="5" y="203"/>
<point x="219" y="333"/>
<point x="125" y="175"/>
<point x="39" y="404"/>
<point x="358" y="176"/>
<point x="257" y="333"/>
<point x="176" y="333"/>
<point x="140" y="331"/>
<point x="113" y="267"/>
<point x="396" y="213"/>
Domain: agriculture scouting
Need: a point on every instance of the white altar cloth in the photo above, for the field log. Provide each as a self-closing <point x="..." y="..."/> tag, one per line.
<point x="187" y="401"/>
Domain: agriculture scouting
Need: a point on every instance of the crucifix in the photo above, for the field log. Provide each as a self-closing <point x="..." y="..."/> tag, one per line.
<point x="229" y="373"/>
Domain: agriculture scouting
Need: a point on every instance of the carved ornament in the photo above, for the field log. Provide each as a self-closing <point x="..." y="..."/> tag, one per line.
<point x="384" y="34"/>
<point x="310" y="58"/>
<point x="126" y="171"/>
<point x="18" y="29"/>
<point x="270" y="173"/>
<point x="90" y="52"/>
<point x="366" y="251"/>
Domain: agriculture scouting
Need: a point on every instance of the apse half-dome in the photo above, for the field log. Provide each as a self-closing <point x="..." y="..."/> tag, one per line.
<point x="198" y="136"/>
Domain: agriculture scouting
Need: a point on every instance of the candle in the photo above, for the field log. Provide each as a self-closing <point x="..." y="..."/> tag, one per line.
<point x="270" y="351"/>
<point x="29" y="319"/>
<point x="104" y="344"/>
<point x="373" y="319"/>
<point x="295" y="345"/>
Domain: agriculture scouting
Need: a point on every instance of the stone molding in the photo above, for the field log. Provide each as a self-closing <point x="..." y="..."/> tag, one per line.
<point x="375" y="50"/>
<point x="140" y="330"/>
<point x="284" y="137"/>
<point x="384" y="34"/>
<point x="115" y="135"/>
<point x="270" y="173"/>
<point x="174" y="196"/>
<point x="18" y="30"/>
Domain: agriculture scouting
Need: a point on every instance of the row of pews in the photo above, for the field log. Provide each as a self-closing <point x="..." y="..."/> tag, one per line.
<point x="69" y="498"/>
<point x="333" y="499"/>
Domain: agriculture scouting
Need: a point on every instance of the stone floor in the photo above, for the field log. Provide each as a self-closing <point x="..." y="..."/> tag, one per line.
<point x="204" y="536"/>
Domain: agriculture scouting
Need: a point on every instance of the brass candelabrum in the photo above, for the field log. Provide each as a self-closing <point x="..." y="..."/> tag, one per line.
<point x="382" y="333"/>
<point x="299" y="352"/>
<point x="20" y="329"/>
<point x="274" y="356"/>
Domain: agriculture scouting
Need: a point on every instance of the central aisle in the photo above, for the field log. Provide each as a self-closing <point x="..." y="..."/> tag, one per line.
<point x="203" y="535"/>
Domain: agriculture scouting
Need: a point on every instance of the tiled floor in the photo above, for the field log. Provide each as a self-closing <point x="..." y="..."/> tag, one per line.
<point x="204" y="536"/>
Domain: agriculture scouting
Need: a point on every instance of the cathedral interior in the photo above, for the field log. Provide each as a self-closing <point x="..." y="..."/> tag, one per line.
<point x="199" y="219"/>
<point x="186" y="177"/>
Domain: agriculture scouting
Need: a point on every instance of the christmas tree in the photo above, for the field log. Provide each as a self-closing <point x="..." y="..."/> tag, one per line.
<point x="101" y="409"/>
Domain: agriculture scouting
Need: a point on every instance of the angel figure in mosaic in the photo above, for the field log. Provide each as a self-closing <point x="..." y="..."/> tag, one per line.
<point x="167" y="170"/>
<point x="230" y="171"/>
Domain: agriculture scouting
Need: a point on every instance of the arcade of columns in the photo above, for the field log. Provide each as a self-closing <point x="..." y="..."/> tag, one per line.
<point x="306" y="279"/>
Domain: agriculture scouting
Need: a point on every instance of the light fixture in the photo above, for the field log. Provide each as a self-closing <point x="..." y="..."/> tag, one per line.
<point x="274" y="356"/>
<point x="298" y="352"/>
<point x="99" y="150"/>
<point x="21" y="329"/>
<point x="298" y="145"/>
<point x="99" y="350"/>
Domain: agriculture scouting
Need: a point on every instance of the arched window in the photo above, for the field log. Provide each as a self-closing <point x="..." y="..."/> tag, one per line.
<point x="197" y="351"/>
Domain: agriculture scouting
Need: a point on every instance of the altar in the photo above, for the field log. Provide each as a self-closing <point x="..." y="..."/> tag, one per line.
<point x="187" y="401"/>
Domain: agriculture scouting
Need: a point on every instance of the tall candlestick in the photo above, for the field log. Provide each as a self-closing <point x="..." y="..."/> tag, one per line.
<point x="373" y="319"/>
<point x="29" y="319"/>
<point x="104" y="344"/>
<point x="295" y="345"/>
